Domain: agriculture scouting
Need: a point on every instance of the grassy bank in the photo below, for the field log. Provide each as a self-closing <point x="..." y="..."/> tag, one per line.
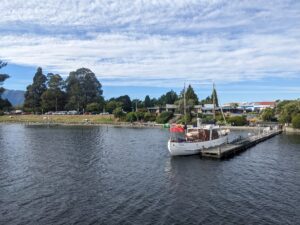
<point x="59" y="119"/>
<point x="74" y="120"/>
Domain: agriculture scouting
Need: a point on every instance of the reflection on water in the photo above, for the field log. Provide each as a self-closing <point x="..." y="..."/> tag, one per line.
<point x="65" y="175"/>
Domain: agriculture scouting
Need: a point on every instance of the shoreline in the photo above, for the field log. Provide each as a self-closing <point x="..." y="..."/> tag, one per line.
<point x="73" y="120"/>
<point x="120" y="125"/>
<point x="291" y="130"/>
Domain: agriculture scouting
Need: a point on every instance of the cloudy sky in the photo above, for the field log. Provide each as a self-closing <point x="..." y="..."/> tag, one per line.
<point x="250" y="49"/>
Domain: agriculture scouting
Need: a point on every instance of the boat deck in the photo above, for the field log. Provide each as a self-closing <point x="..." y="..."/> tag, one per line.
<point x="229" y="150"/>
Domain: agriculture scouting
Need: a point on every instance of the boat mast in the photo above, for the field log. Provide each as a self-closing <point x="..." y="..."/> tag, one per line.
<point x="184" y="104"/>
<point x="214" y="103"/>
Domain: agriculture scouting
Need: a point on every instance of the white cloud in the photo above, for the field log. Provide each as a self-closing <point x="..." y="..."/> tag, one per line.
<point x="160" y="43"/>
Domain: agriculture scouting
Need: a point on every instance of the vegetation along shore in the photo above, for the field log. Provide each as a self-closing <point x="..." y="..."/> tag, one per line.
<point x="50" y="97"/>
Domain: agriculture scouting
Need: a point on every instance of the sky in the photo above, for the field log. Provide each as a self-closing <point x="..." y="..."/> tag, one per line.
<point x="250" y="49"/>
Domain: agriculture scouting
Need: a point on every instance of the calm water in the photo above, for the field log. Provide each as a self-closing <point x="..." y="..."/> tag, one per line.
<point x="99" y="175"/>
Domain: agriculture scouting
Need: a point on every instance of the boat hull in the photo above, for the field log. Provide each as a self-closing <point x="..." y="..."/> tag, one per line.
<point x="192" y="148"/>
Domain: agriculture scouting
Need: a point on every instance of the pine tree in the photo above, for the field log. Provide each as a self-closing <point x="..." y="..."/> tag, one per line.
<point x="147" y="101"/>
<point x="214" y="95"/>
<point x="4" y="104"/>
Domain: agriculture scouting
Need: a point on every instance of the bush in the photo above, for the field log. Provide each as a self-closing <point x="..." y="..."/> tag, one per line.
<point x="139" y="115"/>
<point x="149" y="117"/>
<point x="164" y="117"/>
<point x="296" y="121"/>
<point x="238" y="121"/>
<point x="207" y="119"/>
<point x="1" y="113"/>
<point x="131" y="117"/>
<point x="268" y="114"/>
<point x="118" y="112"/>
<point x="93" y="107"/>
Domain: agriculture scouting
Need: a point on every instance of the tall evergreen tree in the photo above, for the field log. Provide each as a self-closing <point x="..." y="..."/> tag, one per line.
<point x="126" y="102"/>
<point x="4" y="104"/>
<point x="3" y="77"/>
<point x="190" y="95"/>
<point x="35" y="90"/>
<point x="171" y="97"/>
<point x="147" y="101"/>
<point x="214" y="95"/>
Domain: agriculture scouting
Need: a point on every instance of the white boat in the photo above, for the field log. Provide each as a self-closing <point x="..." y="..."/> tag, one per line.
<point x="196" y="139"/>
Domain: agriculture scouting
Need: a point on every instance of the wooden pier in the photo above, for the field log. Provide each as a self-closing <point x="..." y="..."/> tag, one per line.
<point x="231" y="149"/>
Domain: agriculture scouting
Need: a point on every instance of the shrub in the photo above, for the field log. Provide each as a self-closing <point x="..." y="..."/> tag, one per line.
<point x="93" y="107"/>
<point x="164" y="117"/>
<point x="268" y="114"/>
<point x="149" y="117"/>
<point x="118" y="112"/>
<point x="296" y="121"/>
<point x="131" y="117"/>
<point x="238" y="121"/>
<point x="139" y="115"/>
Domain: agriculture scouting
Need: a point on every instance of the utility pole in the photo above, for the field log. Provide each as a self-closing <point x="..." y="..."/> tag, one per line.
<point x="55" y="103"/>
<point x="136" y="102"/>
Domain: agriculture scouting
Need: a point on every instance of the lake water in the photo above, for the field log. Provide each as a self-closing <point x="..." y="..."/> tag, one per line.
<point x="100" y="175"/>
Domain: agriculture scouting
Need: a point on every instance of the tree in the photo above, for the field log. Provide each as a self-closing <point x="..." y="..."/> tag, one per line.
<point x="93" y="107"/>
<point x="111" y="105"/>
<point x="154" y="102"/>
<point x="164" y="117"/>
<point x="54" y="98"/>
<point x="268" y="114"/>
<point x="137" y="104"/>
<point x="191" y="99"/>
<point x="171" y="97"/>
<point x="4" y="104"/>
<point x="131" y="117"/>
<point x="118" y="113"/>
<point x="289" y="110"/>
<point x="35" y="90"/>
<point x="207" y="100"/>
<point x="147" y="101"/>
<point x="149" y="117"/>
<point x="296" y="121"/>
<point x="215" y="96"/>
<point x="191" y="95"/>
<point x="126" y="103"/>
<point x="82" y="88"/>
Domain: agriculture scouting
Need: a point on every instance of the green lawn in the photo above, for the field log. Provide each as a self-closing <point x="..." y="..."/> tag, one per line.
<point x="64" y="119"/>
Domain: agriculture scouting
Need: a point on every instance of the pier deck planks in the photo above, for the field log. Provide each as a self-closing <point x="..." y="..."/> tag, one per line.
<point x="229" y="150"/>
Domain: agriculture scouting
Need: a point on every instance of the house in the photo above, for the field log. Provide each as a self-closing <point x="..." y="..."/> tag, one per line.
<point x="171" y="107"/>
<point x="159" y="109"/>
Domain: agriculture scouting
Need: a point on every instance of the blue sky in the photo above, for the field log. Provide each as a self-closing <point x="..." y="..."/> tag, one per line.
<point x="251" y="49"/>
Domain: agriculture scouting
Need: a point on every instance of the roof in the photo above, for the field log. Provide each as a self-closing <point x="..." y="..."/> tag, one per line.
<point x="171" y="106"/>
<point x="265" y="103"/>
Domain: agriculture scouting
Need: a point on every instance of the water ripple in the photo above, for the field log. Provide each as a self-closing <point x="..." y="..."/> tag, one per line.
<point x="99" y="175"/>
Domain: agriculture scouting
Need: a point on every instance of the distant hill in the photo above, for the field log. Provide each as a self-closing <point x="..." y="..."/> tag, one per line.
<point x="16" y="97"/>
